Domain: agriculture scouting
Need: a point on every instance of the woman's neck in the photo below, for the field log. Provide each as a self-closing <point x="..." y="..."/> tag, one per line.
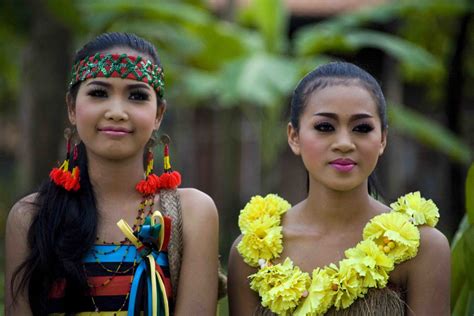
<point x="337" y="209"/>
<point x="115" y="179"/>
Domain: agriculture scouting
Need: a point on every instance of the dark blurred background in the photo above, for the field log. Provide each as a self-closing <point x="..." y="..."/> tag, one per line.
<point x="230" y="69"/>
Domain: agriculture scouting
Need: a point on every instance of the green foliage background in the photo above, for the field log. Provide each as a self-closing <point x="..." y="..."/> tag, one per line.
<point x="248" y="62"/>
<point x="462" y="287"/>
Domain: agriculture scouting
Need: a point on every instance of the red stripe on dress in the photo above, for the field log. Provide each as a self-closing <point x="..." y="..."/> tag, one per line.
<point x="166" y="281"/>
<point x="119" y="285"/>
<point x="167" y="234"/>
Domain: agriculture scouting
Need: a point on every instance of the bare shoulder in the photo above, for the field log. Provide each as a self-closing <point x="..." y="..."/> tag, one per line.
<point x="16" y="250"/>
<point x="428" y="275"/>
<point x="197" y="292"/>
<point x="434" y="251"/>
<point x="432" y="240"/>
<point x="238" y="269"/>
<point x="197" y="204"/>
<point x="242" y="300"/>
<point x="234" y="254"/>
<point x="22" y="212"/>
<point x="236" y="262"/>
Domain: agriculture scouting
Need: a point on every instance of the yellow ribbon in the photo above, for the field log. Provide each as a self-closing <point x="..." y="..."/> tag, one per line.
<point x="163" y="291"/>
<point x="157" y="217"/>
<point x="127" y="231"/>
<point x="151" y="260"/>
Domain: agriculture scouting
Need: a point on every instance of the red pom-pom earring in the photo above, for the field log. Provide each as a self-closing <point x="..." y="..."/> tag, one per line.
<point x="169" y="179"/>
<point x="151" y="184"/>
<point x="63" y="176"/>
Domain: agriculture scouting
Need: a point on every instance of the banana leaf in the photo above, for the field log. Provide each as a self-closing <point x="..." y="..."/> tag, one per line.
<point x="429" y="133"/>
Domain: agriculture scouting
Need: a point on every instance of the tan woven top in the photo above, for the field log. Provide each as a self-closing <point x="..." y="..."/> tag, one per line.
<point x="377" y="302"/>
<point x="171" y="205"/>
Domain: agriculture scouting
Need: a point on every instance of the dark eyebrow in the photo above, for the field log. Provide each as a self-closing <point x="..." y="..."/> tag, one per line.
<point x="129" y="86"/>
<point x="99" y="83"/>
<point x="334" y="116"/>
<point x="139" y="85"/>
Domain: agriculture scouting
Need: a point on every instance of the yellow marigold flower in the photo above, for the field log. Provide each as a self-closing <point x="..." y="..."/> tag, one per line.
<point x="394" y="234"/>
<point x="280" y="286"/>
<point x="370" y="263"/>
<point x="320" y="294"/>
<point x="349" y="286"/>
<point x="271" y="205"/>
<point x="262" y="240"/>
<point x="422" y="211"/>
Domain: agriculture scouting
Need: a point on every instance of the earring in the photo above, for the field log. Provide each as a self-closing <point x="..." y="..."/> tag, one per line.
<point x="169" y="179"/>
<point x="151" y="184"/>
<point x="63" y="176"/>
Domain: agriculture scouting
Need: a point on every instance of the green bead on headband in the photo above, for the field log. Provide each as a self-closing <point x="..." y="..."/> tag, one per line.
<point x="119" y="66"/>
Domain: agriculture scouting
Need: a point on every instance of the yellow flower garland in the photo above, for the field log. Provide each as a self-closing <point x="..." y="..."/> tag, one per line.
<point x="388" y="239"/>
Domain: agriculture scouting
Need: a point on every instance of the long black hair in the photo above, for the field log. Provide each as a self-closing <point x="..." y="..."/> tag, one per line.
<point x="338" y="73"/>
<point x="65" y="225"/>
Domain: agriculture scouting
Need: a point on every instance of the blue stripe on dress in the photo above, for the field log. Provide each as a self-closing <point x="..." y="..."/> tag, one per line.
<point x="118" y="256"/>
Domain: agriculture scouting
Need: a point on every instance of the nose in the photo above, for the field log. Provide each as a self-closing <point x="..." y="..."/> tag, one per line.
<point x="343" y="142"/>
<point x="116" y="110"/>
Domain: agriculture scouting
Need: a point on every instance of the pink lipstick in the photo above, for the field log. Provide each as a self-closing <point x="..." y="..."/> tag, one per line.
<point x="343" y="164"/>
<point x="114" y="131"/>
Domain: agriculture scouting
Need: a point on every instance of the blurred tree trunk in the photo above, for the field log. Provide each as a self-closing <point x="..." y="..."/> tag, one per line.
<point x="250" y="158"/>
<point x="396" y="162"/>
<point x="227" y="168"/>
<point x="454" y="96"/>
<point x="45" y="64"/>
<point x="399" y="159"/>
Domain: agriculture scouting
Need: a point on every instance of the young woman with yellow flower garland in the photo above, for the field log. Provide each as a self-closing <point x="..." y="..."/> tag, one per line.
<point x="339" y="251"/>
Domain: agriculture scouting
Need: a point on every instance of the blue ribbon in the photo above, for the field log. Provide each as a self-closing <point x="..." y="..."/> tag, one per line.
<point x="150" y="252"/>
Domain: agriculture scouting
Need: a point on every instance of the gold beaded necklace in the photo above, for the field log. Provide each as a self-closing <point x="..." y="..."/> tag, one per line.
<point x="146" y="204"/>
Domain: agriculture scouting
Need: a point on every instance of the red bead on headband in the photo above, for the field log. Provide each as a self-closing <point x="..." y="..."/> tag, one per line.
<point x="119" y="66"/>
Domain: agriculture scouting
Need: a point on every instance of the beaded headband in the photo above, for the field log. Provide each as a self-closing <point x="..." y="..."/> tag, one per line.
<point x="119" y="66"/>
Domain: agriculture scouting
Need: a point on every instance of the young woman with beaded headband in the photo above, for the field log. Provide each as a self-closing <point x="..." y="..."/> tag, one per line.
<point x="105" y="234"/>
<point x="339" y="251"/>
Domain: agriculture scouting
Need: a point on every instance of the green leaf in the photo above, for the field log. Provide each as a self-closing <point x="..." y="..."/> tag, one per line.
<point x="337" y="39"/>
<point x="459" y="302"/>
<point x="470" y="304"/>
<point x="470" y="195"/>
<point x="458" y="270"/>
<point x="308" y="64"/>
<point x="390" y="11"/>
<point x="320" y="38"/>
<point x="429" y="132"/>
<point x="461" y="229"/>
<point x="259" y="79"/>
<point x="462" y="275"/>
<point x="269" y="16"/>
<point x="468" y="239"/>
<point x="164" y="35"/>
<point x="164" y="11"/>
<point x="200" y="85"/>
<point x="10" y="45"/>
<point x="221" y="43"/>
<point x="67" y="12"/>
<point x="406" y="52"/>
<point x="191" y="34"/>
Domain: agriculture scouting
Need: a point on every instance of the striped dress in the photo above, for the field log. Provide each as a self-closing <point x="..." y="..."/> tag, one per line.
<point x="110" y="271"/>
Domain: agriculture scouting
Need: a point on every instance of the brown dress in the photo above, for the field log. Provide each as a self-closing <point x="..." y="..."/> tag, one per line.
<point x="388" y="301"/>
